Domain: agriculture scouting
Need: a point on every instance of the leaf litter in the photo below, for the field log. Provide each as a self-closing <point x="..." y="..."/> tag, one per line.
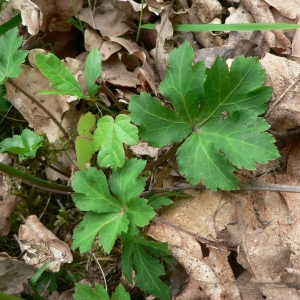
<point x="258" y="228"/>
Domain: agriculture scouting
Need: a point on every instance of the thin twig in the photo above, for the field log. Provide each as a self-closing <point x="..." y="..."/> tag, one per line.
<point x="97" y="262"/>
<point x="111" y="95"/>
<point x="278" y="99"/>
<point x="162" y="159"/>
<point x="41" y="107"/>
<point x="253" y="185"/>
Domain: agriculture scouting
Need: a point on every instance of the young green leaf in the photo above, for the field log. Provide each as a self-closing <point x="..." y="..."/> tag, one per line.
<point x="93" y="70"/>
<point x="217" y="118"/>
<point x="84" y="144"/>
<point x="24" y="145"/>
<point x="10" y="57"/>
<point x="62" y="80"/>
<point x="120" y="294"/>
<point x="109" y="138"/>
<point x="148" y="268"/>
<point x="85" y="292"/>
<point x="109" y="215"/>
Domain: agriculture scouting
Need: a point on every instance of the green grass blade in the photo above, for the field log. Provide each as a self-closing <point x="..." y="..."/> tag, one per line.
<point x="227" y="27"/>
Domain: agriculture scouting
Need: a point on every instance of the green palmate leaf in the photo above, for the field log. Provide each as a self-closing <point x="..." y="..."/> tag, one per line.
<point x="148" y="268"/>
<point x="25" y="145"/>
<point x="217" y="118"/>
<point x="109" y="138"/>
<point x="10" y="57"/>
<point x="84" y="144"/>
<point x="62" y="80"/>
<point x="93" y="70"/>
<point x="109" y="215"/>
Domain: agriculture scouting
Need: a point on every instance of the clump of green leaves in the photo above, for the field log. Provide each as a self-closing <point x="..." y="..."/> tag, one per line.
<point x="25" y="145"/>
<point x="215" y="115"/>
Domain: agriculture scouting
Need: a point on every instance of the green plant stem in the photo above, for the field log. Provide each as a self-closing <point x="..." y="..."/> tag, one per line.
<point x="77" y="14"/>
<point x="140" y="23"/>
<point x="111" y="95"/>
<point x="42" y="108"/>
<point x="36" y="182"/>
<point x="162" y="159"/>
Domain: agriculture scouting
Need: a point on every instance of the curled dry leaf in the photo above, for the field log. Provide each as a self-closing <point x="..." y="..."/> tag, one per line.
<point x="38" y="14"/>
<point x="212" y="274"/>
<point x="163" y="47"/>
<point x="42" y="245"/>
<point x="261" y="12"/>
<point x="92" y="39"/>
<point x="290" y="11"/>
<point x="13" y="274"/>
<point x="283" y="76"/>
<point x="108" y="20"/>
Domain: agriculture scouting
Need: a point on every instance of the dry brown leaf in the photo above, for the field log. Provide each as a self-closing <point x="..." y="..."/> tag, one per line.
<point x="205" y="39"/>
<point x="42" y="245"/>
<point x="13" y="274"/>
<point x="114" y="71"/>
<point x="261" y="12"/>
<point x="8" y="201"/>
<point x="108" y="20"/>
<point x="144" y="149"/>
<point x="290" y="10"/>
<point x="31" y="14"/>
<point x="56" y="104"/>
<point x="207" y="10"/>
<point x="232" y="49"/>
<point x="282" y="75"/>
<point x="163" y="47"/>
<point x="248" y="289"/>
<point x="212" y="273"/>
<point x="133" y="8"/>
<point x="92" y="39"/>
<point x="296" y="44"/>
<point x="38" y="14"/>
<point x="146" y="70"/>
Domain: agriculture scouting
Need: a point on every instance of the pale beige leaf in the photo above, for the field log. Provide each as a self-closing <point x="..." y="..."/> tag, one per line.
<point x="42" y="245"/>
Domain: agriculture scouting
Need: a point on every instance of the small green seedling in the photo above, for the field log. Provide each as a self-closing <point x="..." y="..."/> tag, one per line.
<point x="25" y="145"/>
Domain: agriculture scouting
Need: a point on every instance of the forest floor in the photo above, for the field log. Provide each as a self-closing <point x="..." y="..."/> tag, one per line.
<point x="242" y="244"/>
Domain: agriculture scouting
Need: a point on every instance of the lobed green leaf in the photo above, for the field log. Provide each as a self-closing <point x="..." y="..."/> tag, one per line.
<point x="216" y="119"/>
<point x="109" y="138"/>
<point x="108" y="216"/>
<point x="11" y="57"/>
